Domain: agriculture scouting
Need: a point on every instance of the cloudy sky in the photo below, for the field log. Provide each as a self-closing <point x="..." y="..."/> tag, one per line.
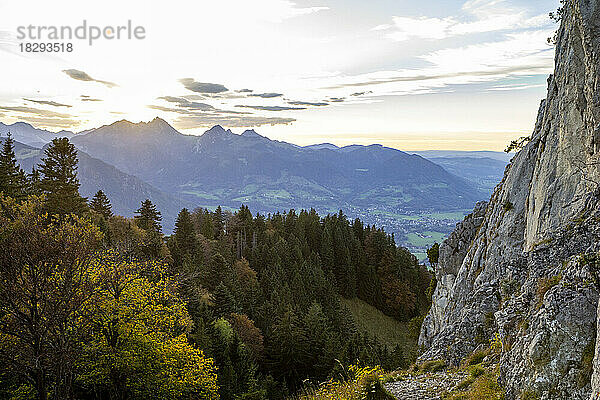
<point x="437" y="74"/>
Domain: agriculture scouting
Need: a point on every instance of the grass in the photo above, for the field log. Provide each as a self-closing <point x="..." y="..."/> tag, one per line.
<point x="426" y="238"/>
<point x="363" y="384"/>
<point x="485" y="387"/>
<point x="432" y="366"/>
<point x="375" y="323"/>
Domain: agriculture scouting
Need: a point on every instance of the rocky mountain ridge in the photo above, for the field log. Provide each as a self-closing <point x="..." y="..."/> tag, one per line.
<point x="524" y="265"/>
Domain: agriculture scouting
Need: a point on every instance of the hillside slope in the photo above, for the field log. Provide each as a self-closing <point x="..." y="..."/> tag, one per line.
<point x="524" y="265"/>
<point x="125" y="192"/>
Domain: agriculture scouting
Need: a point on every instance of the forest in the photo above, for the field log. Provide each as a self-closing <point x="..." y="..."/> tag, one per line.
<point x="232" y="305"/>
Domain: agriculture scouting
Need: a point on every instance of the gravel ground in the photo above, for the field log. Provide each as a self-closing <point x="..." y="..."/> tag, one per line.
<point x="424" y="387"/>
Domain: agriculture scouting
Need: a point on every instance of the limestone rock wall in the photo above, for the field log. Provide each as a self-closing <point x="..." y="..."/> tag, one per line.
<point x="524" y="266"/>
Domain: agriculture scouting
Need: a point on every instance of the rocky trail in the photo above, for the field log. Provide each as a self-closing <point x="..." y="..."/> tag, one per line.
<point x="428" y="386"/>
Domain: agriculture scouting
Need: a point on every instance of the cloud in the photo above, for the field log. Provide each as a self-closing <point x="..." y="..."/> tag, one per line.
<point x="479" y="16"/>
<point x="516" y="87"/>
<point x="266" y="95"/>
<point x="36" y="111"/>
<point x="307" y="103"/>
<point x="519" y="54"/>
<point x="42" y="122"/>
<point x="272" y="108"/>
<point x="357" y="94"/>
<point x="235" y="121"/>
<point x="196" y="112"/>
<point x="202" y="87"/>
<point x="185" y="103"/>
<point x="277" y="11"/>
<point x="88" y="98"/>
<point x="82" y="76"/>
<point x="47" y="102"/>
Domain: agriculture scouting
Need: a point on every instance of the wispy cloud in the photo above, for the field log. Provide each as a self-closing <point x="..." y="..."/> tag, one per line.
<point x="83" y="76"/>
<point x="203" y="121"/>
<point x="480" y="16"/>
<point x="47" y="102"/>
<point x="185" y="103"/>
<point x="43" y="122"/>
<point x="266" y="95"/>
<point x="358" y="94"/>
<point x="88" y="98"/>
<point x="517" y="54"/>
<point x="308" y="103"/>
<point x="272" y="108"/>
<point x="202" y="87"/>
<point x="515" y="87"/>
<point x="36" y="111"/>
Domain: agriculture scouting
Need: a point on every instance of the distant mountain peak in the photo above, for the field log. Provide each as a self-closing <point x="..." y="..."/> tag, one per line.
<point x="251" y="133"/>
<point x="217" y="131"/>
<point x="321" y="146"/>
<point x="157" y="121"/>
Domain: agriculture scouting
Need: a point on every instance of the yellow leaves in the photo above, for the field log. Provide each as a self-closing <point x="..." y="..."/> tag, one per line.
<point x="139" y="334"/>
<point x="355" y="388"/>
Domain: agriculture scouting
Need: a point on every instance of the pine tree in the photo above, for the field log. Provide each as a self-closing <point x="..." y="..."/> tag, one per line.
<point x="13" y="181"/>
<point x="148" y="217"/>
<point x="59" y="181"/>
<point x="101" y="204"/>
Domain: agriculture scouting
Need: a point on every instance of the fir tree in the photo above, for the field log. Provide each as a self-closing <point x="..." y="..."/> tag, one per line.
<point x="101" y="204"/>
<point x="148" y="217"/>
<point x="13" y="181"/>
<point x="59" y="181"/>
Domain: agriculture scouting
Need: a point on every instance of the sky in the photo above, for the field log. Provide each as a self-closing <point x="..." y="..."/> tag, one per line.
<point x="436" y="74"/>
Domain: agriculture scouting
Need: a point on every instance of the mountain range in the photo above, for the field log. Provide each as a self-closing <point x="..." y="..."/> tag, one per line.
<point x="131" y="161"/>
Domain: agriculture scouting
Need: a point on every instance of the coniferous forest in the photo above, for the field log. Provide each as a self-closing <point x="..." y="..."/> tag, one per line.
<point x="232" y="305"/>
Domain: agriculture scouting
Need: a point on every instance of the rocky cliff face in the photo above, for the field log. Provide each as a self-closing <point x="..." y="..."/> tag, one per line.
<point x="524" y="265"/>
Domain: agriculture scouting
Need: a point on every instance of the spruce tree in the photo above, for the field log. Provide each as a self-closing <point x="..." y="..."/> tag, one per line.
<point x="101" y="204"/>
<point x="219" y="222"/>
<point x="148" y="217"/>
<point x="184" y="238"/>
<point x="224" y="302"/>
<point x="59" y="179"/>
<point x="34" y="181"/>
<point x="13" y="181"/>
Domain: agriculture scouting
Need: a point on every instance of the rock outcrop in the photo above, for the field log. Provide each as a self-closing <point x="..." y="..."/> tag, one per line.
<point x="524" y="266"/>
